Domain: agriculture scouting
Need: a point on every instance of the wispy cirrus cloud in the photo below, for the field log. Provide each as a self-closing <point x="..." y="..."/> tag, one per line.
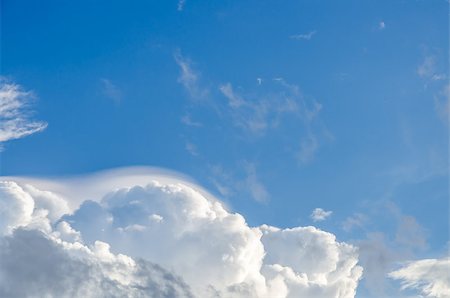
<point x="16" y="115"/>
<point x="257" y="112"/>
<point x="111" y="91"/>
<point x="428" y="69"/>
<point x="244" y="180"/>
<point x="252" y="182"/>
<point x="189" y="77"/>
<point x="431" y="277"/>
<point x="180" y="5"/>
<point x="187" y="120"/>
<point x="436" y="79"/>
<point x="304" y="36"/>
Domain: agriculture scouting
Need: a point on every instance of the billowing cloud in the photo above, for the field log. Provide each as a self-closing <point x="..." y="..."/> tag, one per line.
<point x="430" y="276"/>
<point x="15" y="113"/>
<point x="319" y="214"/>
<point x="165" y="239"/>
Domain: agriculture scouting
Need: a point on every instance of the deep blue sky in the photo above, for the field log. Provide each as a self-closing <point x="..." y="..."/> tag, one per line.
<point x="108" y="82"/>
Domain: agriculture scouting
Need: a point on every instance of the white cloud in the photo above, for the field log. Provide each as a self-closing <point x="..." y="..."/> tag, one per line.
<point x="257" y="112"/>
<point x="111" y="91"/>
<point x="15" y="115"/>
<point x="191" y="148"/>
<point x="319" y="214"/>
<point x="381" y="25"/>
<point x="304" y="36"/>
<point x="187" y="120"/>
<point x="379" y="252"/>
<point x="356" y="220"/>
<point x="434" y="76"/>
<point x="260" y="113"/>
<point x="189" y="78"/>
<point x="428" y="69"/>
<point x="180" y="5"/>
<point x="178" y="226"/>
<point x="257" y="189"/>
<point x="308" y="148"/>
<point x="430" y="276"/>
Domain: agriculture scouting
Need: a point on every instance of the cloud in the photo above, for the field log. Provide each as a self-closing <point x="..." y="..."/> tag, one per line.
<point x="356" y="220"/>
<point x="319" y="214"/>
<point x="186" y="119"/>
<point x="428" y="69"/>
<point x="308" y="148"/>
<point x="15" y="114"/>
<point x="163" y="239"/>
<point x="180" y="5"/>
<point x="50" y="267"/>
<point x="189" y="78"/>
<point x="306" y="36"/>
<point x="257" y="189"/>
<point x="435" y="76"/>
<point x="244" y="181"/>
<point x="191" y="148"/>
<point x="381" y="25"/>
<point x="111" y="91"/>
<point x="257" y="114"/>
<point x="430" y="276"/>
<point x="441" y="103"/>
<point x="380" y="251"/>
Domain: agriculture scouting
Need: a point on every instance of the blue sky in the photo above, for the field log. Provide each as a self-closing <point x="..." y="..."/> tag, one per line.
<point x="275" y="107"/>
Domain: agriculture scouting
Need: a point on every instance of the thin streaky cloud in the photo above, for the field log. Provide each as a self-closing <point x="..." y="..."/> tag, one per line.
<point x="252" y="182"/>
<point x="187" y="120"/>
<point x="308" y="148"/>
<point x="189" y="78"/>
<point x="111" y="91"/>
<point x="428" y="276"/>
<point x="15" y="114"/>
<point x="304" y="36"/>
<point x="191" y="148"/>
<point x="180" y="5"/>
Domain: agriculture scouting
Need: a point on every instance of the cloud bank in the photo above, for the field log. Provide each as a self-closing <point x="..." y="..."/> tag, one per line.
<point x="159" y="239"/>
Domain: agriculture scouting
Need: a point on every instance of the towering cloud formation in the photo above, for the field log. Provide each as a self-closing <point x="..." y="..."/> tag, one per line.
<point x="111" y="247"/>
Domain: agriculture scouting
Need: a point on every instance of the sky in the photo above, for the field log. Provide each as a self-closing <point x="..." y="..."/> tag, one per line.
<point x="285" y="148"/>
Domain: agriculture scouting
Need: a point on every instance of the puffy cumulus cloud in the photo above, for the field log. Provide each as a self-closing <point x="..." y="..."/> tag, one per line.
<point x="109" y="247"/>
<point x="430" y="276"/>
<point x="15" y="121"/>
<point x="53" y="268"/>
<point x="319" y="214"/>
<point x="311" y="262"/>
<point x="37" y="256"/>
<point x="16" y="207"/>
